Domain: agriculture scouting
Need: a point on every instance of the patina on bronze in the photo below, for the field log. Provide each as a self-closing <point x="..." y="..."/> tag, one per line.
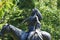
<point x="34" y="31"/>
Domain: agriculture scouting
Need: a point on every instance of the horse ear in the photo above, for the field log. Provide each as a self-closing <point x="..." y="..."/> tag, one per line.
<point x="7" y="24"/>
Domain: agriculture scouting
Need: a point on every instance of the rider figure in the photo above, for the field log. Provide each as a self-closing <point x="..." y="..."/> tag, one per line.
<point x="34" y="20"/>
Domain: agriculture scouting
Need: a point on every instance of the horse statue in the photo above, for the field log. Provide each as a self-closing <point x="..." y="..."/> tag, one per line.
<point x="34" y="32"/>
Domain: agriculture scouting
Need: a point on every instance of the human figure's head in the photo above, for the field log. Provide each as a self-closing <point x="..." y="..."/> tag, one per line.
<point x="35" y="11"/>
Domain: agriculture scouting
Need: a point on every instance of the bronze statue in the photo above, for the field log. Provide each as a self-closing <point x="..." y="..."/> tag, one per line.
<point x="34" y="31"/>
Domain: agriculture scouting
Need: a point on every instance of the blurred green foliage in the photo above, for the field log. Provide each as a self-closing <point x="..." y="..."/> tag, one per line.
<point x="15" y="11"/>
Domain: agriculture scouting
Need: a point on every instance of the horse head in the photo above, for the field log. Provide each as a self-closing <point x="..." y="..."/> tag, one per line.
<point x="15" y="33"/>
<point x="5" y="29"/>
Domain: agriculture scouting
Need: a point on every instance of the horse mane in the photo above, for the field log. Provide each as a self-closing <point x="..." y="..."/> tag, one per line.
<point x="35" y="36"/>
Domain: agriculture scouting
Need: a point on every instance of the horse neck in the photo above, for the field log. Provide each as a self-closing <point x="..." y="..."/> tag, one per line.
<point x="13" y="32"/>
